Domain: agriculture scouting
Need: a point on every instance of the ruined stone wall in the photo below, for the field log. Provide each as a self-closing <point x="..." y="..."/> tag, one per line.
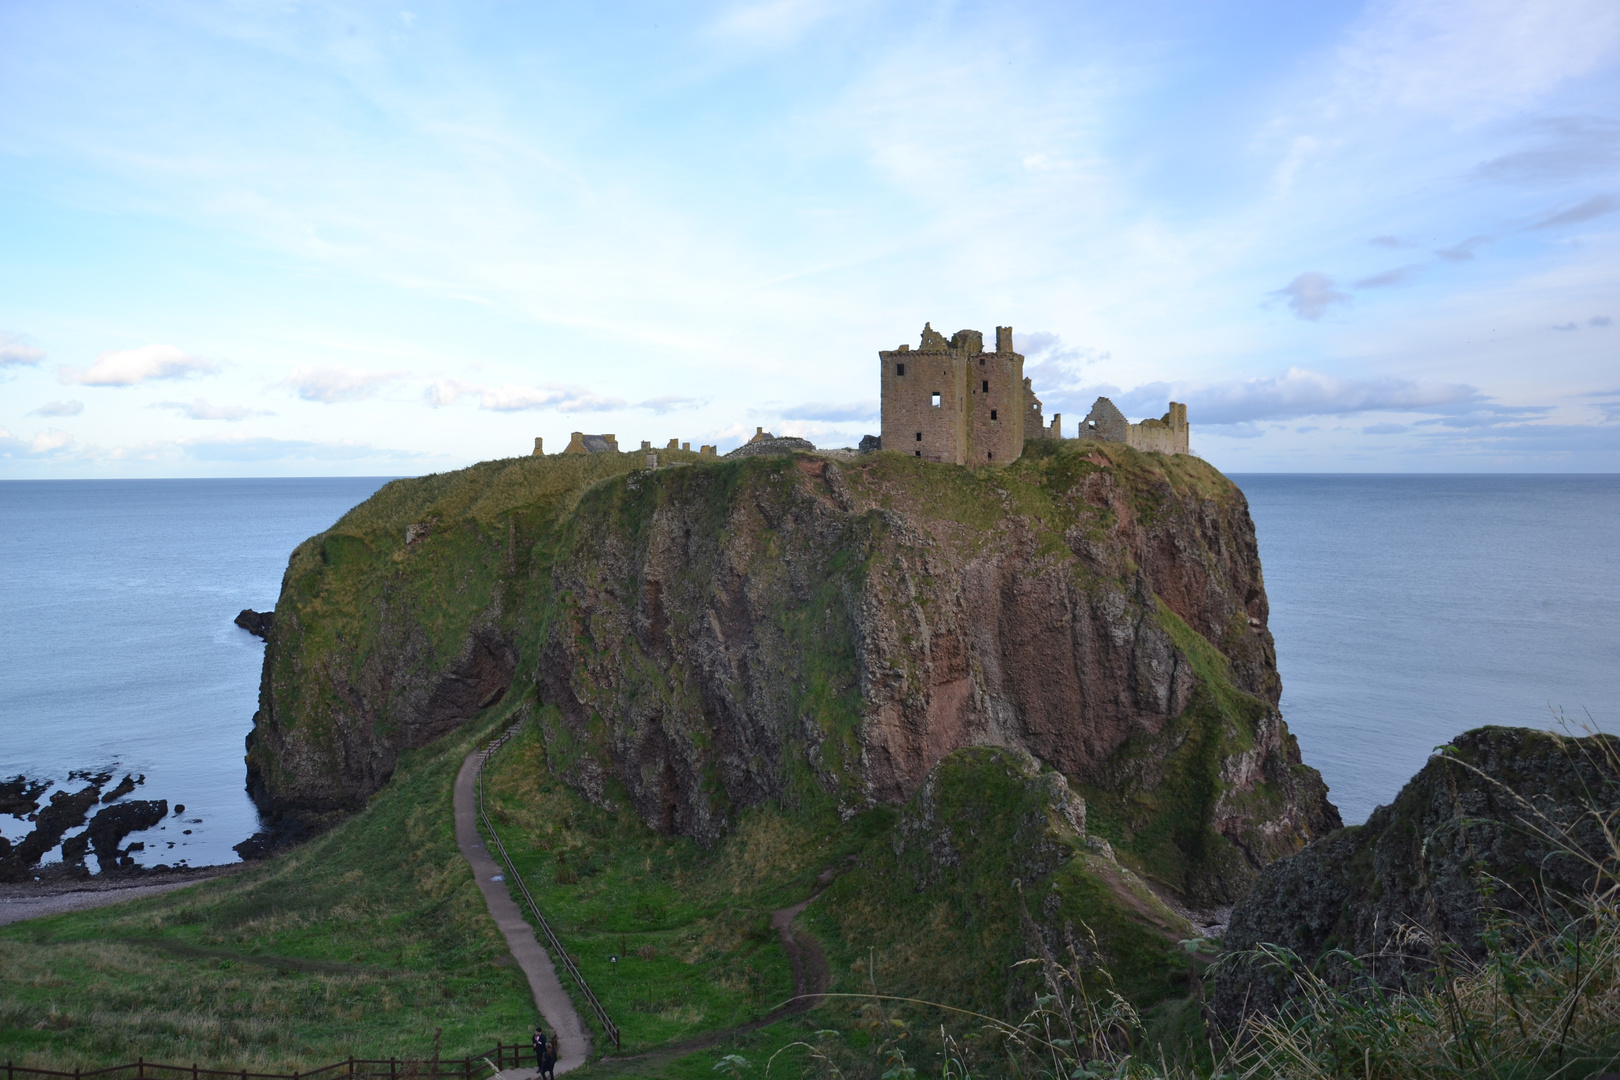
<point x="1169" y="434"/>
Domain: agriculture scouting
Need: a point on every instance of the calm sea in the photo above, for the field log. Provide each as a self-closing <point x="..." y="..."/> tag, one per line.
<point x="117" y="650"/>
<point x="1406" y="609"/>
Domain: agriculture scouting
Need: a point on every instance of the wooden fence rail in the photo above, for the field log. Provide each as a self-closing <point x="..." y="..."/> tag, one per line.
<point x="503" y="1056"/>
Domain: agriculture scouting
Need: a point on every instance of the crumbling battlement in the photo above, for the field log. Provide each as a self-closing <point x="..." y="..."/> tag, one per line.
<point x="952" y="401"/>
<point x="1169" y="435"/>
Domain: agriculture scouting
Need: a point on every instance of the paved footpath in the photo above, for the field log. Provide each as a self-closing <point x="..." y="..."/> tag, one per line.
<point x="573" y="1040"/>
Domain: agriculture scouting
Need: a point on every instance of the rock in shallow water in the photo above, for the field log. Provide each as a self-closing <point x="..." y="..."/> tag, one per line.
<point x="257" y="623"/>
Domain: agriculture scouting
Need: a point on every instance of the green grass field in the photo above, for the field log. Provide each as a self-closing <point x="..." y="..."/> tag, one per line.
<point x="371" y="940"/>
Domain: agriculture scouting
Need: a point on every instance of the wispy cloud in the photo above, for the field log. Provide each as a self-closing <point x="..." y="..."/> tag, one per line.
<point x="1464" y="251"/>
<point x="1595" y="207"/>
<point x="855" y="410"/>
<point x="127" y="367"/>
<point x="16" y="352"/>
<point x="330" y="385"/>
<point x="198" y="409"/>
<point x="1600" y="321"/>
<point x="59" y="408"/>
<point x="240" y="449"/>
<point x="671" y="403"/>
<point x="774" y="23"/>
<point x="1473" y="57"/>
<point x="1295" y="393"/>
<point x="1311" y="294"/>
<point x="1567" y="148"/>
<point x="1398" y="276"/>
<point x="551" y="397"/>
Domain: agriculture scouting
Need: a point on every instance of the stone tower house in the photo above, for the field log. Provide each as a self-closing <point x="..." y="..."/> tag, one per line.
<point x="952" y="401"/>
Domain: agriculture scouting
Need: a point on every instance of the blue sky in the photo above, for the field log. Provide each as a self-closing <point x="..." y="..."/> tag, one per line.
<point x="283" y="238"/>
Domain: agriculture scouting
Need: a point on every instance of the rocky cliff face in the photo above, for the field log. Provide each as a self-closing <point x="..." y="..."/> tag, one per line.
<point x="714" y="635"/>
<point x="1502" y="829"/>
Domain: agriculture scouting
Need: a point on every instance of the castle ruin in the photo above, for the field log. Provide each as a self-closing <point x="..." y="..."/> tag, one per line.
<point x="952" y="401"/>
<point x="1168" y="435"/>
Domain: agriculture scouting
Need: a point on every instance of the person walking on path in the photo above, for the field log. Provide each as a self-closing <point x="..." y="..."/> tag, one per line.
<point x="539" y="1045"/>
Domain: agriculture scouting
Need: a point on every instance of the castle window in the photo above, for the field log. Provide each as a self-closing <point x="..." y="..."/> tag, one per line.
<point x="981" y="361"/>
<point x="936" y="399"/>
<point x="919" y="436"/>
<point x="987" y="386"/>
<point x="991" y="456"/>
<point x="899" y="369"/>
<point x="919" y="453"/>
<point x="992" y="414"/>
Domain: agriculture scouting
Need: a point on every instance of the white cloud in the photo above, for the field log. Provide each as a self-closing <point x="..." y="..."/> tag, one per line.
<point x="48" y="442"/>
<point x="16" y="352"/>
<point x="130" y="366"/>
<point x="1311" y="294"/>
<point x="59" y="408"/>
<point x="331" y="384"/>
<point x="198" y="409"/>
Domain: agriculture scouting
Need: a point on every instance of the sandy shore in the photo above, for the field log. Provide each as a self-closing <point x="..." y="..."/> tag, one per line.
<point x="34" y="899"/>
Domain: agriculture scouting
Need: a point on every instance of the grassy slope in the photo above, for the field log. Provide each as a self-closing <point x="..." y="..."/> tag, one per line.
<point x="365" y="941"/>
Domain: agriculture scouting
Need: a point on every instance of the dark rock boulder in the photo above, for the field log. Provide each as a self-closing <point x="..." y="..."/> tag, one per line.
<point x="870" y="444"/>
<point x="1504" y="828"/>
<point x="112" y="824"/>
<point x="19" y="796"/>
<point x="125" y="786"/>
<point x="257" y="623"/>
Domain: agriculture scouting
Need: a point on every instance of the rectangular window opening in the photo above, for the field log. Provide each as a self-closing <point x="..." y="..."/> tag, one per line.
<point x="987" y="386"/>
<point x="919" y="436"/>
<point x="990" y="456"/>
<point x="992" y="414"/>
<point x="936" y="400"/>
<point x="919" y="453"/>
<point x="899" y="369"/>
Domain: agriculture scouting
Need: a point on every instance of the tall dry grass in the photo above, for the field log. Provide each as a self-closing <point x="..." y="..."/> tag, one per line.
<point x="1542" y="1004"/>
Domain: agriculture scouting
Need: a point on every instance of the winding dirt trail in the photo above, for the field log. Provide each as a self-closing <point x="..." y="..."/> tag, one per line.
<point x="573" y="1038"/>
<point x="809" y="983"/>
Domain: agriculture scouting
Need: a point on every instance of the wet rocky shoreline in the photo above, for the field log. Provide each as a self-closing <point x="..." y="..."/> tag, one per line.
<point x="89" y="801"/>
